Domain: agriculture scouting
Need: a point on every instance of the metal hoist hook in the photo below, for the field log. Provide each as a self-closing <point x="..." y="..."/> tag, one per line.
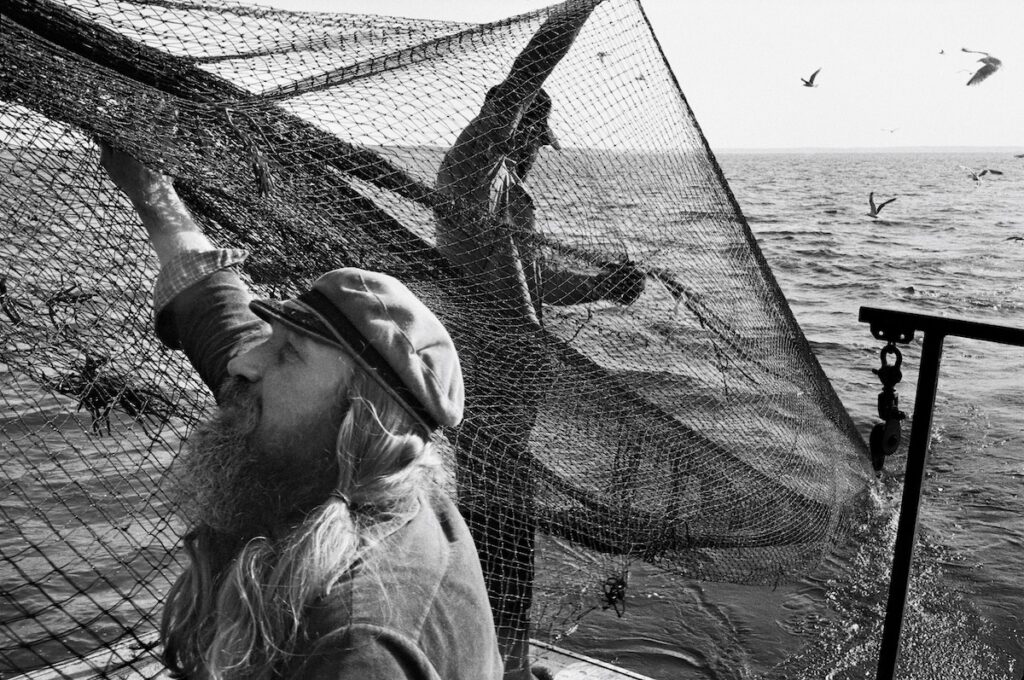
<point x="885" y="436"/>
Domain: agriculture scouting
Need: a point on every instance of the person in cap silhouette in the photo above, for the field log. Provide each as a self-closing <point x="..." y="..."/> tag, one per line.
<point x="486" y="227"/>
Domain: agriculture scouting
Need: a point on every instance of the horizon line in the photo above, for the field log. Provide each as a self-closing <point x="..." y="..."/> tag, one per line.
<point x="868" y="149"/>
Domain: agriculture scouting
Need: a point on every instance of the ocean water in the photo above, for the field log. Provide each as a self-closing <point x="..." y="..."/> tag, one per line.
<point x="944" y="246"/>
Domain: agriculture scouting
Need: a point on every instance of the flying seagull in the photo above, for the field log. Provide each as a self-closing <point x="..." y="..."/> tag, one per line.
<point x="875" y="209"/>
<point x="991" y="65"/>
<point x="810" y="81"/>
<point x="976" y="175"/>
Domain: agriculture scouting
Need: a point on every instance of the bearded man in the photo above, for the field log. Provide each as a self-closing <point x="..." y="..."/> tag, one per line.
<point x="318" y="545"/>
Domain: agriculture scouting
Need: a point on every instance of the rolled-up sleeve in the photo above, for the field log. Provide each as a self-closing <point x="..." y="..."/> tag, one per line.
<point x="189" y="267"/>
<point x="201" y="306"/>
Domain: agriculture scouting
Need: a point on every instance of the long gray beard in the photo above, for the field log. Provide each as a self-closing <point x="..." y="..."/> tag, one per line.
<point x="221" y="479"/>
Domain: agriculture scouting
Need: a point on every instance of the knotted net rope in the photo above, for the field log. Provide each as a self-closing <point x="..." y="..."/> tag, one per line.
<point x="681" y="420"/>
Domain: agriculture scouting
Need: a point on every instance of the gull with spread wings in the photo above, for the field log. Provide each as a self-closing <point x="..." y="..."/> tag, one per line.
<point x="990" y="66"/>
<point x="875" y="209"/>
<point x="976" y="175"/>
<point x="809" y="82"/>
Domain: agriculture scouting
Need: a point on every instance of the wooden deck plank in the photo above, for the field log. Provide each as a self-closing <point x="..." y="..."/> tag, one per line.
<point x="568" y="665"/>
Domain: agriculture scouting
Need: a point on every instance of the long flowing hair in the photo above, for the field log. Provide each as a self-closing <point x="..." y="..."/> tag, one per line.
<point x="236" y="611"/>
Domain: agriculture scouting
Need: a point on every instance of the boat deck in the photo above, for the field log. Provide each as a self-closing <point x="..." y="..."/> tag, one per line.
<point x="567" y="665"/>
<point x="128" y="661"/>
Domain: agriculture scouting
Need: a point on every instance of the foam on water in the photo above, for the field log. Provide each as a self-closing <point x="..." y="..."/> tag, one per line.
<point x="943" y="250"/>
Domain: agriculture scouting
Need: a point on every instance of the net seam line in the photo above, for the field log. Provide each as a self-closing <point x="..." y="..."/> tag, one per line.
<point x="405" y="56"/>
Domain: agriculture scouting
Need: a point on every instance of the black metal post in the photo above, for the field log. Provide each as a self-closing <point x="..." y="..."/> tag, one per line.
<point x="917" y="457"/>
<point x="899" y="326"/>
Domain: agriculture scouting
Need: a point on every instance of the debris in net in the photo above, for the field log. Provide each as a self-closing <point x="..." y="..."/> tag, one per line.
<point x="258" y="161"/>
<point x="67" y="296"/>
<point x="9" y="305"/>
<point x="100" y="393"/>
<point x="615" y="593"/>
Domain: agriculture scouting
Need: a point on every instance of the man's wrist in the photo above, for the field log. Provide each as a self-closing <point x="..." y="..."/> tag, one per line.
<point x="169" y="245"/>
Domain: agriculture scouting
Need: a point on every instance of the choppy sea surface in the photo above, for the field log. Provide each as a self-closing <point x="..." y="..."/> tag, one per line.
<point x="946" y="246"/>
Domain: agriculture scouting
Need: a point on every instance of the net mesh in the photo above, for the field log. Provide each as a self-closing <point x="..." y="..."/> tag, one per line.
<point x="679" y="418"/>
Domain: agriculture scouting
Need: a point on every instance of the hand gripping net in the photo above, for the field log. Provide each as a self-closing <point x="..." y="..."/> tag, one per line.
<point x="680" y="420"/>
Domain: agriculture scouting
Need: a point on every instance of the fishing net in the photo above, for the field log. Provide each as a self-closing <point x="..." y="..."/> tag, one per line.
<point x="676" y="416"/>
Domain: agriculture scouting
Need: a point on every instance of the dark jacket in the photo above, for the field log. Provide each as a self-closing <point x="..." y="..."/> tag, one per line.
<point x="418" y="611"/>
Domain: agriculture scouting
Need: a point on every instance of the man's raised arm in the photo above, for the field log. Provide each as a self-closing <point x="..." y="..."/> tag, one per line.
<point x="506" y="102"/>
<point x="541" y="55"/>
<point x="168" y="222"/>
<point x="201" y="305"/>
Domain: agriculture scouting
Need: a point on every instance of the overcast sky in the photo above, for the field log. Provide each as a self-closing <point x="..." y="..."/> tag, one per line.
<point x="883" y="80"/>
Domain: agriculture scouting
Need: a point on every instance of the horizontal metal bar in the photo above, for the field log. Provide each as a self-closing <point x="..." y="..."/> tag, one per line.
<point x="900" y="325"/>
